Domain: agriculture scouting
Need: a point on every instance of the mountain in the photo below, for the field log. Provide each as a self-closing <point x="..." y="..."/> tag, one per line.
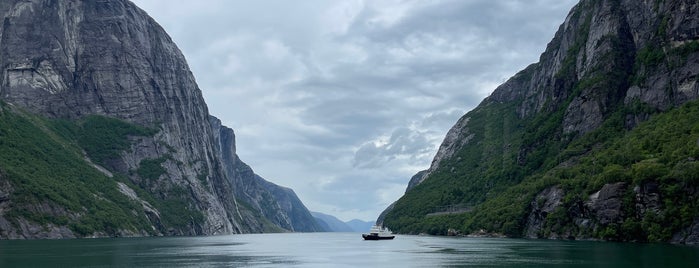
<point x="597" y="140"/>
<point x="331" y="223"/>
<point x="280" y="205"/>
<point x="360" y="225"/>
<point x="104" y="132"/>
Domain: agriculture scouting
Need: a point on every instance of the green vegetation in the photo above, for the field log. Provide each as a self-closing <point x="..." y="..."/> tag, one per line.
<point x="659" y="54"/>
<point x="650" y="55"/>
<point x="43" y="161"/>
<point x="103" y="138"/>
<point x="664" y="151"/>
<point x="679" y="55"/>
<point x="151" y="169"/>
<point x="648" y="58"/>
<point x="490" y="167"/>
<point x="46" y="170"/>
<point x="509" y="160"/>
<point x="177" y="211"/>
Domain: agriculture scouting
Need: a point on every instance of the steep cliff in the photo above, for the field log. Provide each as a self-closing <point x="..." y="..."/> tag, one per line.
<point x="70" y="60"/>
<point x="277" y="204"/>
<point x="555" y="151"/>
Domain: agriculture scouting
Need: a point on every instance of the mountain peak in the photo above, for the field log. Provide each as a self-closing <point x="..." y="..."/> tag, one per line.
<point x="534" y="154"/>
<point x="103" y="78"/>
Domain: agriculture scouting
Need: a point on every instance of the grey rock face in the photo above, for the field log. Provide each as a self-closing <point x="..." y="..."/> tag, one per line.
<point x="544" y="86"/>
<point x="596" y="64"/>
<point x="647" y="198"/>
<point x="457" y="137"/>
<point x="606" y="203"/>
<point x="68" y="59"/>
<point x="689" y="235"/>
<point x="417" y="179"/>
<point x="544" y="203"/>
<point x="609" y="34"/>
<point x="278" y="204"/>
<point x="72" y="58"/>
<point x="601" y="209"/>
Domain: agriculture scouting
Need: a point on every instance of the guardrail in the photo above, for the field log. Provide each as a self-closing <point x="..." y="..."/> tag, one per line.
<point x="450" y="209"/>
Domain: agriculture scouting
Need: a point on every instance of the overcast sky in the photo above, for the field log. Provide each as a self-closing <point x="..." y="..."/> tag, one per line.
<point x="343" y="101"/>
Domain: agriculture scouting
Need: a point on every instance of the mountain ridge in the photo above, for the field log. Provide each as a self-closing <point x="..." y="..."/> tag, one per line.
<point x="513" y="165"/>
<point x="332" y="223"/>
<point x="104" y="80"/>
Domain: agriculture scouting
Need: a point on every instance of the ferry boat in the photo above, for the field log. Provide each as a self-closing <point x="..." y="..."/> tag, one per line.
<point x="378" y="233"/>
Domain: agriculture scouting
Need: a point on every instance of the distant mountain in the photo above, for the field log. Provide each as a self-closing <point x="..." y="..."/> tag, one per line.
<point x="359" y="225"/>
<point x="331" y="223"/>
<point x="323" y="225"/>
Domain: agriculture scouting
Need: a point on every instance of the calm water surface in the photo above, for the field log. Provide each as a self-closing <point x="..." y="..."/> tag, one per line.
<point x="338" y="250"/>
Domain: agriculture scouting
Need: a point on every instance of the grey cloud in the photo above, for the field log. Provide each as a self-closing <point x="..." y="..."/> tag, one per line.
<point x="327" y="97"/>
<point x="403" y="143"/>
<point x="440" y="119"/>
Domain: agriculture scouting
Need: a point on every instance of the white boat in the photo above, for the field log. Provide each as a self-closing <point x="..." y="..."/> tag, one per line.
<point x="378" y="233"/>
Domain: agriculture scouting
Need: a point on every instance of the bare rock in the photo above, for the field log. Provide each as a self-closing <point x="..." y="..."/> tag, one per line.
<point x="606" y="203"/>
<point x="544" y="203"/>
<point x="689" y="235"/>
<point x="69" y="59"/>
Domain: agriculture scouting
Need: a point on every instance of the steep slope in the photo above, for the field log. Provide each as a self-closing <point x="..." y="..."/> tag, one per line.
<point x="70" y="59"/>
<point x="278" y="204"/>
<point x="533" y="159"/>
<point x="45" y="181"/>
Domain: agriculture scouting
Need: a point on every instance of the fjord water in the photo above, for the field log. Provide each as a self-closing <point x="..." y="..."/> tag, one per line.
<point x="338" y="250"/>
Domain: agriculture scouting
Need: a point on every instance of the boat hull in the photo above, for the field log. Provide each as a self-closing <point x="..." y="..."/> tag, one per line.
<point x="376" y="237"/>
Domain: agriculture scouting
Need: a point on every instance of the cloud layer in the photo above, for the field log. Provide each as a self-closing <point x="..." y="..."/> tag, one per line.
<point x="344" y="101"/>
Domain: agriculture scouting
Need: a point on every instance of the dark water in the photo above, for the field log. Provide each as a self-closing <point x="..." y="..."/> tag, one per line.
<point x="338" y="250"/>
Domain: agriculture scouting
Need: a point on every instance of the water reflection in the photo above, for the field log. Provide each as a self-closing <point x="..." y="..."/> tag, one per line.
<point x="337" y="250"/>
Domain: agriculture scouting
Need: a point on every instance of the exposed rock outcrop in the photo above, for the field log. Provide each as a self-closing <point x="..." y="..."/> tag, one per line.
<point x="278" y="204"/>
<point x="600" y="210"/>
<point x="613" y="62"/>
<point x="689" y="235"/>
<point x="544" y="203"/>
<point x="69" y="59"/>
<point x="72" y="58"/>
<point x="606" y="204"/>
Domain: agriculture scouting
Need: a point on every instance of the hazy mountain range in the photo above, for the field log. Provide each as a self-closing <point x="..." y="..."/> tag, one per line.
<point x="333" y="224"/>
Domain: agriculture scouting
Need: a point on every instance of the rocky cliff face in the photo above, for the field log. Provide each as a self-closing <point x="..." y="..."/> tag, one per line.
<point x="69" y="59"/>
<point x="624" y="40"/>
<point x="610" y="67"/>
<point x="600" y="40"/>
<point x="278" y="204"/>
